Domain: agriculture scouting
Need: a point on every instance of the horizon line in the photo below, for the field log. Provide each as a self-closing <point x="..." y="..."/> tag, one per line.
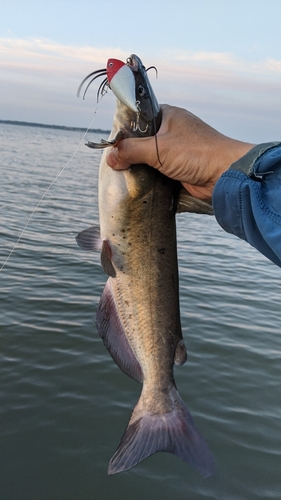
<point x="45" y="125"/>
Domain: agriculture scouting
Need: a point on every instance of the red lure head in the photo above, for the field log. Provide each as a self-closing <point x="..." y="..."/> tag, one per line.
<point x="122" y="82"/>
<point x="112" y="67"/>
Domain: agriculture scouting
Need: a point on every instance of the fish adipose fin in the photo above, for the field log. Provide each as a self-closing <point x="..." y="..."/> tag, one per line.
<point x="112" y="332"/>
<point x="174" y="432"/>
<point x="187" y="203"/>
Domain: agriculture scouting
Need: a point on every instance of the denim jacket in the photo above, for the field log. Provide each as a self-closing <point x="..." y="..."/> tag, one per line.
<point x="247" y="199"/>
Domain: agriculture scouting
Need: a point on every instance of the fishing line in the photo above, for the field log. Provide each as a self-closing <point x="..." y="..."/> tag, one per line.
<point x="47" y="190"/>
<point x="154" y="121"/>
<point x="157" y="150"/>
<point x="155" y="133"/>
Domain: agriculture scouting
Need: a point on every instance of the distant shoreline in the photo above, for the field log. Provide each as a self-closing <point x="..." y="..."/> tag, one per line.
<point x="60" y="127"/>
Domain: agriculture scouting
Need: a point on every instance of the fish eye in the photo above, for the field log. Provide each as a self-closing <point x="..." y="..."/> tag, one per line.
<point x="110" y="64"/>
<point x="141" y="90"/>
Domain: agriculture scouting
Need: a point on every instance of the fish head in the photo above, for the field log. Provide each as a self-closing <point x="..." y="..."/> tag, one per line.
<point x="147" y="102"/>
<point x="130" y="83"/>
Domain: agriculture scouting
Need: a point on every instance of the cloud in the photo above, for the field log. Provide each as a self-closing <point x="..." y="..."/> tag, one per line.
<point x="225" y="61"/>
<point x="273" y="66"/>
<point x="206" y="57"/>
<point x="44" y="55"/>
<point x="40" y="78"/>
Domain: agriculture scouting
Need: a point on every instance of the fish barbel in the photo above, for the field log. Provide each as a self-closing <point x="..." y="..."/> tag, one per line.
<point x="138" y="316"/>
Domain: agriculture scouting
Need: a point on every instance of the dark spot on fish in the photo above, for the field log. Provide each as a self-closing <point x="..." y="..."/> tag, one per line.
<point x="161" y="250"/>
<point x="144" y="201"/>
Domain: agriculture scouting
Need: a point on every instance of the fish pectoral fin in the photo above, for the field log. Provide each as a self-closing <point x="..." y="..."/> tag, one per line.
<point x="106" y="144"/>
<point x="89" y="239"/>
<point x="187" y="203"/>
<point x="112" y="332"/>
<point x="106" y="259"/>
<point x="149" y="432"/>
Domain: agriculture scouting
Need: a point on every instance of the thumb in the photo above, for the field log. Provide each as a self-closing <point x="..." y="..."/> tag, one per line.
<point x="130" y="152"/>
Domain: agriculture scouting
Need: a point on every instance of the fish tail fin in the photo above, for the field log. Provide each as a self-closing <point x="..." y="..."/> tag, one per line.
<point x="174" y="432"/>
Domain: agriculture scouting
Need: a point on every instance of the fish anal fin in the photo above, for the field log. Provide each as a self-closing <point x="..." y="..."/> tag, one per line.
<point x="106" y="259"/>
<point x="89" y="239"/>
<point x="187" y="203"/>
<point x="112" y="332"/>
<point x="174" y="432"/>
<point x="180" y="354"/>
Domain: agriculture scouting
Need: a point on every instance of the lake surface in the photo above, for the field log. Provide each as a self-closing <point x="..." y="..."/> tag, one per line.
<point x="64" y="404"/>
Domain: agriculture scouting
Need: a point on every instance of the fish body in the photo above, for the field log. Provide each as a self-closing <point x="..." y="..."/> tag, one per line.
<point x="138" y="316"/>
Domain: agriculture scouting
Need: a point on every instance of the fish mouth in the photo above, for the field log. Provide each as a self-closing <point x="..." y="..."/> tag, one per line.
<point x="130" y="84"/>
<point x="133" y="62"/>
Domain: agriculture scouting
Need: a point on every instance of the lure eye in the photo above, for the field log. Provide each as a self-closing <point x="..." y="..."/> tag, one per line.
<point x="110" y="64"/>
<point x="141" y="90"/>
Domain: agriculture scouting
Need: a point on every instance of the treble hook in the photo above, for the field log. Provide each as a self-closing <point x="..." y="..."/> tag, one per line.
<point x="136" y="125"/>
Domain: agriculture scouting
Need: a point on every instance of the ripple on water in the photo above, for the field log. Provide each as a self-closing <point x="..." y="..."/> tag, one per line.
<point x="65" y="404"/>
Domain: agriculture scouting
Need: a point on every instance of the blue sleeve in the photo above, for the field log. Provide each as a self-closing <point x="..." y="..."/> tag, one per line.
<point x="247" y="199"/>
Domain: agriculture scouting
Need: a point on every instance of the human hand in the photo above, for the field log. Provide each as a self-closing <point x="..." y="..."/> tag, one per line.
<point x="189" y="150"/>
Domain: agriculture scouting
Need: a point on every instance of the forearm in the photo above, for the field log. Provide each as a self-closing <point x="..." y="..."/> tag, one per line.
<point x="247" y="199"/>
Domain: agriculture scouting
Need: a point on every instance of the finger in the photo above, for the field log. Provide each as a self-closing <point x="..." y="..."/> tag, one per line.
<point x="130" y="152"/>
<point x="113" y="160"/>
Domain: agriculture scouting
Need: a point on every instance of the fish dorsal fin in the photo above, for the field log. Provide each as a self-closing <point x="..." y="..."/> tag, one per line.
<point x="112" y="332"/>
<point x="100" y="145"/>
<point x="89" y="239"/>
<point x="187" y="203"/>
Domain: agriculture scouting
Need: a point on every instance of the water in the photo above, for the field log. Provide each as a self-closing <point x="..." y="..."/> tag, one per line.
<point x="65" y="404"/>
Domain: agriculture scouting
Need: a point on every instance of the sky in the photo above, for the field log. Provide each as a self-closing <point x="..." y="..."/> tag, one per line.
<point x="221" y="59"/>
